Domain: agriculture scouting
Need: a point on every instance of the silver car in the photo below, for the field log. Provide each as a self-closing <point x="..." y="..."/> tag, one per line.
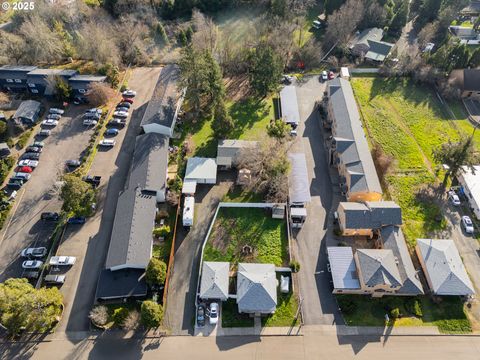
<point x="38" y="252"/>
<point x="32" y="264"/>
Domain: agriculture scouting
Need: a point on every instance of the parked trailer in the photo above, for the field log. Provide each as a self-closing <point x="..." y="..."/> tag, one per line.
<point x="188" y="211"/>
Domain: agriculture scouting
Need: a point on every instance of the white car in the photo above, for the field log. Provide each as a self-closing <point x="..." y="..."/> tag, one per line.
<point x="56" y="111"/>
<point x="23" y="175"/>
<point x="29" y="163"/>
<point x="453" y="197"/>
<point x="131" y="93"/>
<point x="94" y="111"/>
<point x="213" y="313"/>
<point x="62" y="260"/>
<point x="284" y="284"/>
<point x="107" y="142"/>
<point x="89" y="122"/>
<point x="32" y="264"/>
<point x="467" y="224"/>
<point x="120" y="114"/>
<point x="324" y="76"/>
<point x="50" y="122"/>
<point x="34" y="252"/>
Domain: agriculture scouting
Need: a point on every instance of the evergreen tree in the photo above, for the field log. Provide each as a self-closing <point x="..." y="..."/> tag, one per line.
<point x="222" y="121"/>
<point x="399" y="19"/>
<point x="265" y="69"/>
<point x="194" y="78"/>
<point x="458" y="57"/>
<point x="215" y="89"/>
<point x="332" y="5"/>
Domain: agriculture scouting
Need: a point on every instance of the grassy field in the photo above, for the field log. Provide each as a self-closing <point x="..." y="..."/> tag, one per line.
<point x="447" y="314"/>
<point x="236" y="227"/>
<point x="408" y="122"/>
<point x="236" y="194"/>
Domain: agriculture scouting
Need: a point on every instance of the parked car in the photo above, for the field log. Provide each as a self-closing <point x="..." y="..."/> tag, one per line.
<point x="107" y="143"/>
<point x="54" y="279"/>
<point x="284" y="284"/>
<point x="453" y="197"/>
<point x="32" y="264"/>
<point x="44" y="132"/>
<point x="50" y="122"/>
<point x="467" y="224"/>
<point x="129" y="93"/>
<point x="324" y="76"/>
<point x="14" y="184"/>
<point x="89" y="122"/>
<point x="92" y="180"/>
<point x="331" y="75"/>
<point x="29" y="163"/>
<point x="120" y="114"/>
<point x="23" y="169"/>
<point x="50" y="216"/>
<point x="125" y="104"/>
<point x="121" y="108"/>
<point x="117" y="122"/>
<point x="97" y="111"/>
<point x="77" y="220"/>
<point x="129" y="100"/>
<point x="35" y="149"/>
<point x="31" y="275"/>
<point x="62" y="260"/>
<point x="73" y="163"/>
<point x="38" y="144"/>
<point x="111" y="132"/>
<point x="38" y="252"/>
<point x="54" y="116"/>
<point x="30" y="156"/>
<point x="56" y="111"/>
<point x="213" y="313"/>
<point x="22" y="175"/>
<point x="201" y="315"/>
<point x="77" y="100"/>
<point x="287" y="79"/>
<point x="93" y="116"/>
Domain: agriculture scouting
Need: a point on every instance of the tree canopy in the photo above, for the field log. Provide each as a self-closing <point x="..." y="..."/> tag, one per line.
<point x="265" y="69"/>
<point x="78" y="196"/>
<point x="151" y="314"/>
<point x="156" y="272"/>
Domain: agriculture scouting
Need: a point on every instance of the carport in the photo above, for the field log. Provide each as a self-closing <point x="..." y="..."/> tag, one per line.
<point x="199" y="171"/>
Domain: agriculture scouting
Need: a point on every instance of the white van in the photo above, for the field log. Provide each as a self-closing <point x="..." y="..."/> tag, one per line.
<point x="188" y="210"/>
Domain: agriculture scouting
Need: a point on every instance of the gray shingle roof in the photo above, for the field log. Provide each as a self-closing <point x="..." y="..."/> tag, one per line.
<point x="215" y="280"/>
<point x="131" y="239"/>
<point x="256" y="288"/>
<point x="82" y="81"/>
<point x="357" y="215"/>
<point x="378" y="267"/>
<point x="228" y="150"/>
<point x="166" y="100"/>
<point x="348" y="130"/>
<point x="444" y="267"/>
<point x="18" y="71"/>
<point x="378" y="50"/>
<point x="371" y="215"/>
<point x="150" y="163"/>
<point x="343" y="268"/>
<point x="120" y="284"/>
<point x="367" y="35"/>
<point x="28" y="109"/>
<point x="298" y="182"/>
<point x="289" y="104"/>
<point x="201" y="168"/>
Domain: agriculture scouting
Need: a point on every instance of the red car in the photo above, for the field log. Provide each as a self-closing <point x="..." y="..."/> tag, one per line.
<point x="331" y="75"/>
<point x="129" y="100"/>
<point x="24" y="169"/>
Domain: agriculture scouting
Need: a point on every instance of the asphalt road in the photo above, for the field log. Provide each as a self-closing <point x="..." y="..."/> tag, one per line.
<point x="318" y="305"/>
<point x="89" y="242"/>
<point x="68" y="139"/>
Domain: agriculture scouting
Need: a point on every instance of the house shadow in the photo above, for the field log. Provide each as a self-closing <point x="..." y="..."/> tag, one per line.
<point x="225" y="343"/>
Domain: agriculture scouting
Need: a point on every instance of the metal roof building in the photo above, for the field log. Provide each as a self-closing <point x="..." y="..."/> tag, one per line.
<point x="298" y="182"/>
<point x="228" y="150"/>
<point x="201" y="170"/>
<point x="131" y="240"/>
<point x="343" y="268"/>
<point x="443" y="267"/>
<point x="289" y="105"/>
<point x="214" y="280"/>
<point x="256" y="288"/>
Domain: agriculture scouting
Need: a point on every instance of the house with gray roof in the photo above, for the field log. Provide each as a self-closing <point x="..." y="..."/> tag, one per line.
<point x="199" y="171"/>
<point x="298" y="182"/>
<point x="256" y="289"/>
<point x="162" y="109"/>
<point x="121" y="285"/>
<point x="378" y="269"/>
<point x="131" y="240"/>
<point x="348" y="148"/>
<point x="39" y="80"/>
<point x="214" y="280"/>
<point x="28" y="112"/>
<point x="289" y="105"/>
<point x="467" y="81"/>
<point x="150" y="165"/>
<point x="80" y="84"/>
<point x="14" y="77"/>
<point x="443" y="267"/>
<point x="344" y="270"/>
<point x="229" y="150"/>
<point x="369" y="45"/>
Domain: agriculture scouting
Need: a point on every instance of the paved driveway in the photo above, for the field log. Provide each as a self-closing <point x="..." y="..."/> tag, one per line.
<point x="318" y="306"/>
<point x="67" y="141"/>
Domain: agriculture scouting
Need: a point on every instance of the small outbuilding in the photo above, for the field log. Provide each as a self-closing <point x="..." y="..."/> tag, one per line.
<point x="201" y="170"/>
<point x="289" y="105"/>
<point x="214" y="280"/>
<point x="229" y="150"/>
<point x="28" y="112"/>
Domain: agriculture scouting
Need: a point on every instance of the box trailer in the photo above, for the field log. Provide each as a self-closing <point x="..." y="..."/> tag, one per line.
<point x="188" y="211"/>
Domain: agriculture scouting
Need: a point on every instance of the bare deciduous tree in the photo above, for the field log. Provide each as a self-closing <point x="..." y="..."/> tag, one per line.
<point x="427" y="34"/>
<point x="95" y="43"/>
<point x="44" y="45"/>
<point x="99" y="315"/>
<point x="100" y="93"/>
<point x="12" y="47"/>
<point x="132" y="321"/>
<point x="205" y="36"/>
<point x="343" y="22"/>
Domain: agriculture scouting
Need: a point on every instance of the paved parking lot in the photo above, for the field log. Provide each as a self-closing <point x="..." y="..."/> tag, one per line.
<point x="68" y="139"/>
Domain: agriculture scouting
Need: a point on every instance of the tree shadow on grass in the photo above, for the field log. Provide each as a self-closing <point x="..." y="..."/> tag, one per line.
<point x="246" y="113"/>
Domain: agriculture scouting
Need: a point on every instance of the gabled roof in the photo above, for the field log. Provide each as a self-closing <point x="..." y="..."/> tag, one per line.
<point x="201" y="168"/>
<point x="28" y="109"/>
<point x="215" y="280"/>
<point x="343" y="268"/>
<point x="371" y="214"/>
<point x="126" y="283"/>
<point x="466" y="79"/>
<point x="378" y="50"/>
<point x="150" y="162"/>
<point x="228" y="150"/>
<point x="56" y="72"/>
<point x="444" y="267"/>
<point x="166" y="99"/>
<point x="298" y="182"/>
<point x="348" y="130"/>
<point x="289" y="104"/>
<point x="378" y="267"/>
<point x="367" y="35"/>
<point x="131" y="239"/>
<point x="6" y="71"/>
<point x="256" y="288"/>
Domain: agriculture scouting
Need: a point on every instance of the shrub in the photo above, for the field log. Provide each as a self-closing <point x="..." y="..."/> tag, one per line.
<point x="151" y="314"/>
<point x="414" y="307"/>
<point x="119" y="315"/>
<point x="99" y="315"/>
<point x="278" y="129"/>
<point x="156" y="272"/>
<point x="395" y="313"/>
<point x="295" y="266"/>
<point x="23" y="139"/>
<point x="132" y="320"/>
<point x="162" y="231"/>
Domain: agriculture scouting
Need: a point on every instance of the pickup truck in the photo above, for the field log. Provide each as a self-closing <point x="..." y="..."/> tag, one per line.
<point x="62" y="260"/>
<point x="92" y="180"/>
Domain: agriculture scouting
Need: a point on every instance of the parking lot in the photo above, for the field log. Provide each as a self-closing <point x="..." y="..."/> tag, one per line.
<point x="67" y="140"/>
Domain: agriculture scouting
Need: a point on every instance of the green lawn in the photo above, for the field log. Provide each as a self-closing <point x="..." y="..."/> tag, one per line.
<point x="287" y="308"/>
<point x="236" y="194"/>
<point x="251" y="118"/>
<point x="408" y="121"/>
<point x="467" y="23"/>
<point x="232" y="318"/>
<point x="236" y="227"/>
<point x="448" y="314"/>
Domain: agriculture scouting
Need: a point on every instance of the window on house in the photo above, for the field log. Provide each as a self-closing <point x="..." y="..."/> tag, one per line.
<point x="10" y="80"/>
<point x="34" y="91"/>
<point x="18" y="80"/>
<point x="31" y="85"/>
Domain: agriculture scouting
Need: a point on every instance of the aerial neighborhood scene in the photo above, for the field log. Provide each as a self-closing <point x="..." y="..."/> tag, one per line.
<point x="239" y="179"/>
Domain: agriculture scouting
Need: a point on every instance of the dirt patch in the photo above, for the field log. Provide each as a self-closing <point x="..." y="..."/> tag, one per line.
<point x="220" y="238"/>
<point x="237" y="87"/>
